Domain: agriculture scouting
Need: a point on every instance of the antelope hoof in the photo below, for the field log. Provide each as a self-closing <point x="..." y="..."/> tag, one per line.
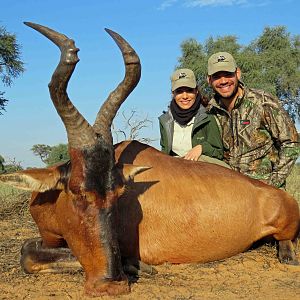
<point x="287" y="254"/>
<point x="137" y="268"/>
<point x="289" y="260"/>
<point x="106" y="287"/>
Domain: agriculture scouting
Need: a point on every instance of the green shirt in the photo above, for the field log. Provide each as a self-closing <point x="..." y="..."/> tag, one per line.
<point x="205" y="132"/>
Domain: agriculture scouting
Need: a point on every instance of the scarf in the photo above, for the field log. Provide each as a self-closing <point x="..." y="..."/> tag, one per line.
<point x="183" y="116"/>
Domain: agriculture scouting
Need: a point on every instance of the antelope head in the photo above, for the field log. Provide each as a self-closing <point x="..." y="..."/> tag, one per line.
<point x="85" y="208"/>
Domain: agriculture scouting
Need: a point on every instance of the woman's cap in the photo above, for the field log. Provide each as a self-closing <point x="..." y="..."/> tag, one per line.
<point x="183" y="77"/>
<point x="221" y="61"/>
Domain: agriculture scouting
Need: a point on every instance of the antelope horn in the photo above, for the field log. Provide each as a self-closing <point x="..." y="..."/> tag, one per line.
<point x="80" y="132"/>
<point x="110" y="107"/>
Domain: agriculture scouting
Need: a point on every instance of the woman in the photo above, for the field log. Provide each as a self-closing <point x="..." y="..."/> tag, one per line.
<point x="186" y="129"/>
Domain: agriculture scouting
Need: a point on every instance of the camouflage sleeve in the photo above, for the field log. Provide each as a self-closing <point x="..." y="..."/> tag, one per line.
<point x="284" y="134"/>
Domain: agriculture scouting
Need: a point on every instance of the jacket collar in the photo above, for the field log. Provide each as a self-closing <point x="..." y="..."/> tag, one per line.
<point x="199" y="117"/>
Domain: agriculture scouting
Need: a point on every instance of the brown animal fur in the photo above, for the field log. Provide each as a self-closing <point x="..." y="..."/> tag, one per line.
<point x="182" y="211"/>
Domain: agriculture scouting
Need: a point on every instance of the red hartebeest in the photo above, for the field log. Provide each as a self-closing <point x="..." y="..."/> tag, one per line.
<point x="177" y="211"/>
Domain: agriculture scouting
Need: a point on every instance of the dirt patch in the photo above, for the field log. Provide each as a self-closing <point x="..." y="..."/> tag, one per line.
<point x="256" y="274"/>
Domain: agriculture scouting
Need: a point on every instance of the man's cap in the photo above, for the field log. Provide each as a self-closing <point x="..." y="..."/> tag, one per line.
<point x="221" y="61"/>
<point x="183" y="77"/>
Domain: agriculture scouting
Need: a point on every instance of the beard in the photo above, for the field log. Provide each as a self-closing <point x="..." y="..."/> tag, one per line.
<point x="234" y="92"/>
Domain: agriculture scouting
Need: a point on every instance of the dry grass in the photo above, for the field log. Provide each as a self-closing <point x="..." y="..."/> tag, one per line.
<point x="15" y="216"/>
<point x="293" y="183"/>
<point x="13" y="202"/>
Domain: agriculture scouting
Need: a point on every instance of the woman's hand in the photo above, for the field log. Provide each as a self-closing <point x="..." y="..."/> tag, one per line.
<point x="194" y="153"/>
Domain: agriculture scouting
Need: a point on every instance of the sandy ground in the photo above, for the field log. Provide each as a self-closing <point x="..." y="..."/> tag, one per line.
<point x="256" y="274"/>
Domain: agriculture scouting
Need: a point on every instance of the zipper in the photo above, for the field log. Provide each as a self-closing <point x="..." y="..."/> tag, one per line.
<point x="237" y="129"/>
<point x="234" y="128"/>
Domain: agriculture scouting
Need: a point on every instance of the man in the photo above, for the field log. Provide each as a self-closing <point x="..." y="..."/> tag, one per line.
<point x="260" y="140"/>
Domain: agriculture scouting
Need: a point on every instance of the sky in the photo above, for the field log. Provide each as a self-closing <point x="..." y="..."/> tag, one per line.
<point x="154" y="28"/>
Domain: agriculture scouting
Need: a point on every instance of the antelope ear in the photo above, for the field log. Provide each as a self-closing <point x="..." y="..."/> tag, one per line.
<point x="38" y="180"/>
<point x="129" y="170"/>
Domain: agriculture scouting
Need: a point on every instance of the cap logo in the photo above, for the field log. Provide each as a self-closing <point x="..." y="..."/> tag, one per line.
<point x="221" y="58"/>
<point x="182" y="75"/>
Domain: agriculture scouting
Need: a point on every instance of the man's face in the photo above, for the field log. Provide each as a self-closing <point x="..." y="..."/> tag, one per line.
<point x="225" y="83"/>
<point x="185" y="97"/>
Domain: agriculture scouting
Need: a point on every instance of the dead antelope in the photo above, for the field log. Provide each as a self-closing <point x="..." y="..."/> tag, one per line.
<point x="177" y="211"/>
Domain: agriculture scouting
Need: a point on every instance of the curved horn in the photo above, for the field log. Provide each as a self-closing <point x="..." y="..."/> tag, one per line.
<point x="110" y="107"/>
<point x="80" y="133"/>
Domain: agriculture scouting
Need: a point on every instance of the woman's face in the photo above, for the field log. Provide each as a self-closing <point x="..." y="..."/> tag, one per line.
<point x="185" y="97"/>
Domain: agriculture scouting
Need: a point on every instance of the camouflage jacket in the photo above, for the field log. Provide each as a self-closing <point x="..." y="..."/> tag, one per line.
<point x="260" y="140"/>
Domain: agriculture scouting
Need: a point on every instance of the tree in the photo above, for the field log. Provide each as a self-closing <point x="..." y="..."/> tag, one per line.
<point x="133" y="125"/>
<point x="58" y="154"/>
<point x="51" y="155"/>
<point x="271" y="62"/>
<point x="9" y="166"/>
<point x="10" y="64"/>
<point x="12" y="166"/>
<point x="280" y="71"/>
<point x="42" y="151"/>
<point x="2" y="169"/>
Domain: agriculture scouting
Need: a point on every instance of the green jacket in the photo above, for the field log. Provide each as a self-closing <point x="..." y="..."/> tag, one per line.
<point x="259" y="138"/>
<point x="205" y="132"/>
